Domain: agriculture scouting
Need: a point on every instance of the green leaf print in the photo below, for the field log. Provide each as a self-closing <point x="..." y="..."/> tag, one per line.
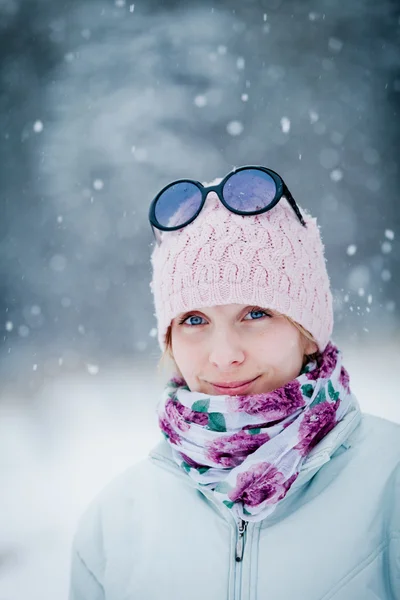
<point x="185" y="466"/>
<point x="228" y="503"/>
<point x="331" y="391"/>
<point x="202" y="470"/>
<point x="216" y="422"/>
<point x="321" y="397"/>
<point x="307" y="390"/>
<point x="224" y="487"/>
<point x="254" y="431"/>
<point x="201" y="405"/>
<point x="245" y="511"/>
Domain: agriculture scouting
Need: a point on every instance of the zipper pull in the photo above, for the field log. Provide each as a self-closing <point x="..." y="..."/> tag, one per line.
<point x="242" y="526"/>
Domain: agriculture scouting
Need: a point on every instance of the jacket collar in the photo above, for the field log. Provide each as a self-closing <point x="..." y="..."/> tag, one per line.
<point x="339" y="436"/>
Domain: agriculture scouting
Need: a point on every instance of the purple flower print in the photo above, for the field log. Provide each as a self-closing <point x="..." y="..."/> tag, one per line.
<point x="326" y="362"/>
<point x="177" y="381"/>
<point x="344" y="379"/>
<point x="199" y="418"/>
<point x="261" y="482"/>
<point x="231" y="451"/>
<point x="174" y="417"/>
<point x="315" y="425"/>
<point x="273" y="406"/>
<point x="189" y="461"/>
<point x="167" y="429"/>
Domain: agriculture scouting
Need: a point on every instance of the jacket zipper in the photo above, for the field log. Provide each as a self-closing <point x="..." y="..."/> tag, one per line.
<point x="242" y="526"/>
<point x="238" y="565"/>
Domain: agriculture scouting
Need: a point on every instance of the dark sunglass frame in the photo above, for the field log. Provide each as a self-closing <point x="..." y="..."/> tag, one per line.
<point x="281" y="190"/>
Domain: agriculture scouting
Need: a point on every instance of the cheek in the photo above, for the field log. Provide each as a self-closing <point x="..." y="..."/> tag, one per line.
<point x="280" y="347"/>
<point x="186" y="354"/>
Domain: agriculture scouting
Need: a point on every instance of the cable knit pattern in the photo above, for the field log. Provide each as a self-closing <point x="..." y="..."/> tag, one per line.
<point x="269" y="260"/>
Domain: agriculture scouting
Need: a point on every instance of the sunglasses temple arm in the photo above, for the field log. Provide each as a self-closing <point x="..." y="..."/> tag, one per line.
<point x="293" y="204"/>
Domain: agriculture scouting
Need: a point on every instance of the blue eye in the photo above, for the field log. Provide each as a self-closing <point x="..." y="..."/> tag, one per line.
<point x="260" y="314"/>
<point x="192" y="317"/>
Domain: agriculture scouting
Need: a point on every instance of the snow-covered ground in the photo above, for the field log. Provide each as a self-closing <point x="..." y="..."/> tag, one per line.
<point x="60" y="447"/>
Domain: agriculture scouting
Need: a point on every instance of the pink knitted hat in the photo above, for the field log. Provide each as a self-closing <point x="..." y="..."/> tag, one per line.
<point x="268" y="260"/>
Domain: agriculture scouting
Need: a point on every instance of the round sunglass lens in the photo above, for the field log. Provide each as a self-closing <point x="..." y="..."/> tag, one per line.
<point x="249" y="190"/>
<point x="177" y="204"/>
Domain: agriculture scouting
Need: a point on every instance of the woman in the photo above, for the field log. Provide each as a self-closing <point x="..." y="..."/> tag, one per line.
<point x="269" y="483"/>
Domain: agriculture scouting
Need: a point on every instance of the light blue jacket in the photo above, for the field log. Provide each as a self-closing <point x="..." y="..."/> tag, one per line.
<point x="152" y="535"/>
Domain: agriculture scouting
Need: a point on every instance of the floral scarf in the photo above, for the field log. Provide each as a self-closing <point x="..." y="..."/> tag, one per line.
<point x="249" y="449"/>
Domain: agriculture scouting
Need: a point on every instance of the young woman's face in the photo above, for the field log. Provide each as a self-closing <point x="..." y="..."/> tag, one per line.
<point x="222" y="346"/>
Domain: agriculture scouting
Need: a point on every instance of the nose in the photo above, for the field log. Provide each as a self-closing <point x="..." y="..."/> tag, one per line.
<point x="226" y="351"/>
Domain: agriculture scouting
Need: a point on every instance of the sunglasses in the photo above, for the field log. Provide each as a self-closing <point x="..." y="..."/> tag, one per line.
<point x="244" y="191"/>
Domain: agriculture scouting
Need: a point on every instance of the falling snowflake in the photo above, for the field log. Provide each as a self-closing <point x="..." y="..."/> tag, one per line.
<point x="235" y="128"/>
<point x="285" y="124"/>
<point x="92" y="369"/>
<point x="38" y="126"/>
<point x="386" y="247"/>
<point x="58" y="262"/>
<point x="389" y="234"/>
<point x="200" y="101"/>
<point x="98" y="184"/>
<point x="351" y="250"/>
<point x="336" y="175"/>
<point x="335" y="44"/>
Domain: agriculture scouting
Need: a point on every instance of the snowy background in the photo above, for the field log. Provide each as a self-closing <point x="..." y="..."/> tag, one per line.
<point x="101" y="104"/>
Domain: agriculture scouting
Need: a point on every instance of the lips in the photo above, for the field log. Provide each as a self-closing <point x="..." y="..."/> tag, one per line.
<point x="232" y="388"/>
<point x="231" y="384"/>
